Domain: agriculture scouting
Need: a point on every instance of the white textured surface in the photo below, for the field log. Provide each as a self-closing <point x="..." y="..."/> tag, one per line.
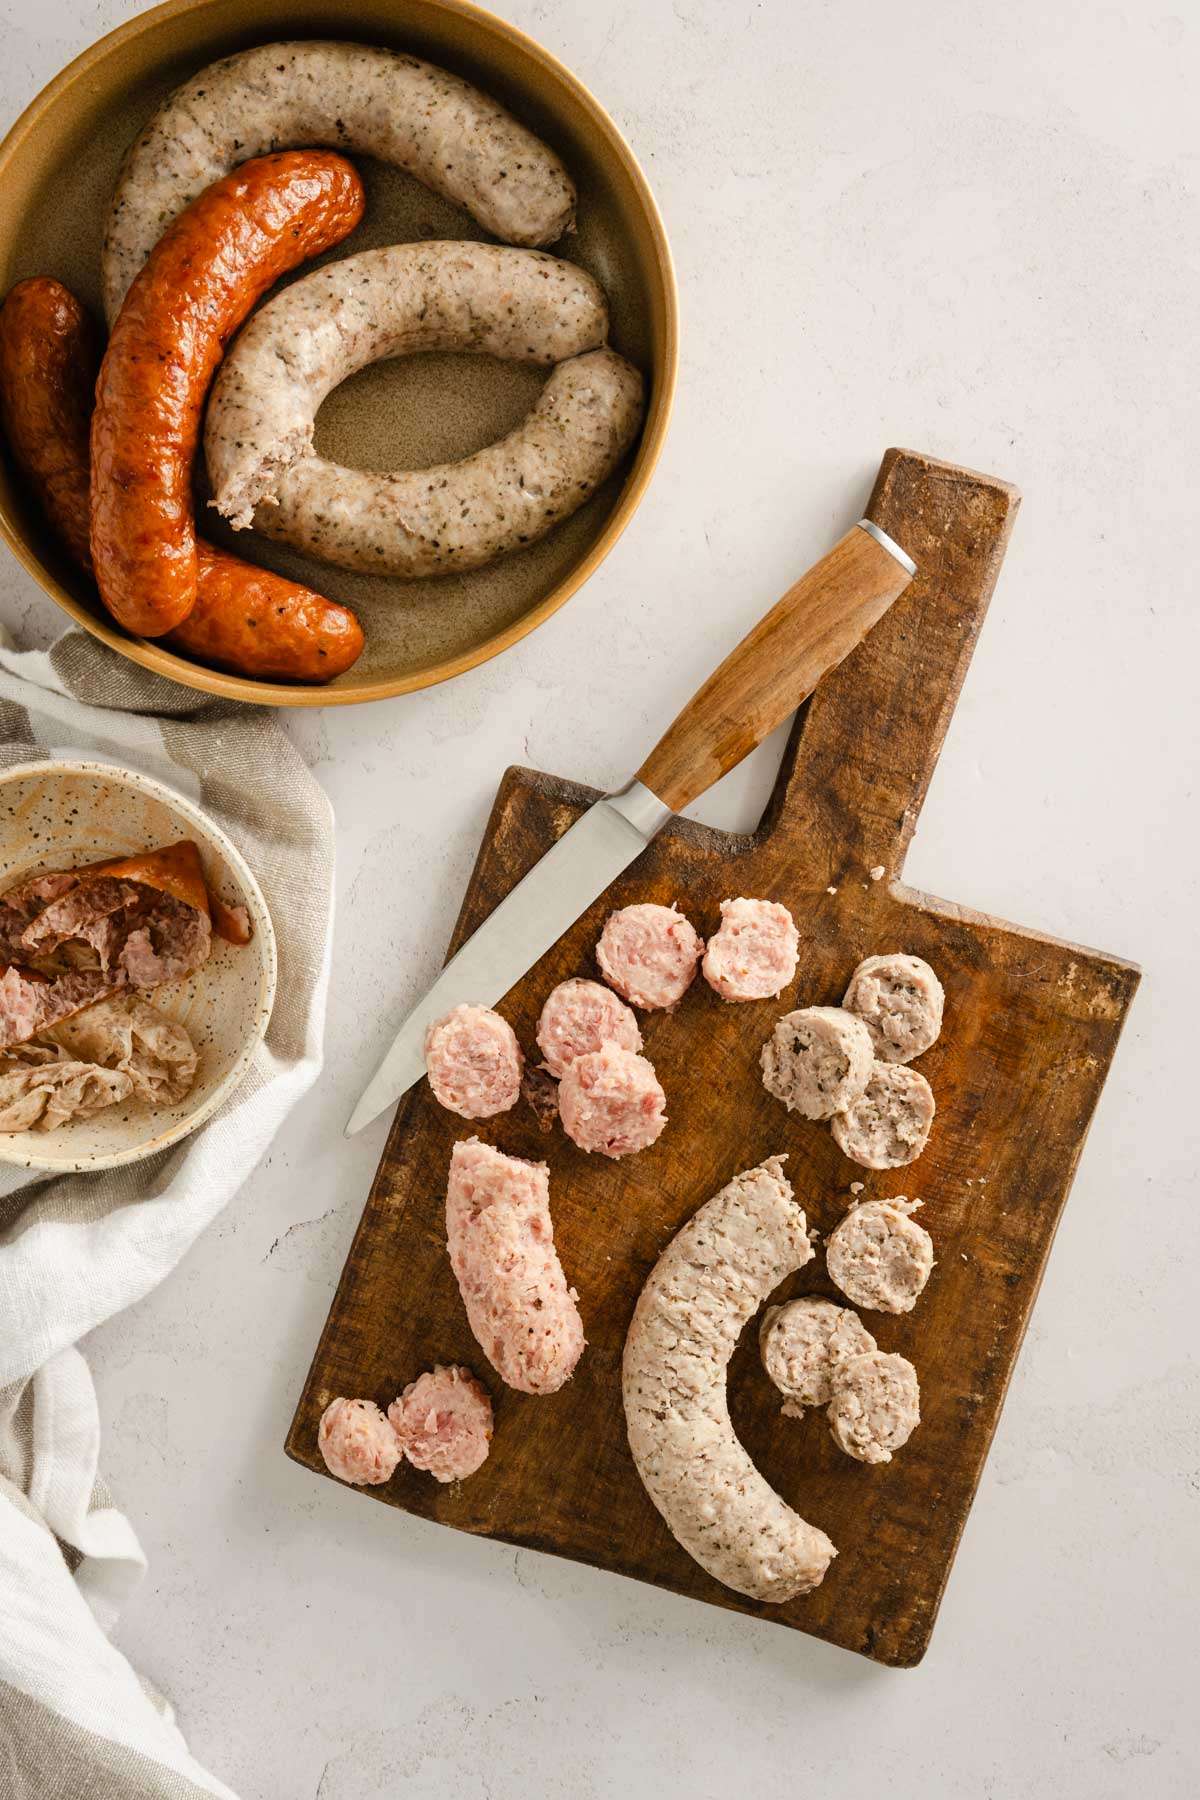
<point x="972" y="230"/>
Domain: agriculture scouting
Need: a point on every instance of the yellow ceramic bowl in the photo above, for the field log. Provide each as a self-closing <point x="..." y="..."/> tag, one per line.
<point x="57" y="169"/>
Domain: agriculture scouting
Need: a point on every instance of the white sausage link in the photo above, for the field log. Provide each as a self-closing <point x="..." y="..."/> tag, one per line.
<point x="350" y="97"/>
<point x="517" y="304"/>
<point x="707" y="1284"/>
<point x="456" y="516"/>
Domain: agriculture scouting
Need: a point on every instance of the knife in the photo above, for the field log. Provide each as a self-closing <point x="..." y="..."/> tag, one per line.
<point x="817" y="623"/>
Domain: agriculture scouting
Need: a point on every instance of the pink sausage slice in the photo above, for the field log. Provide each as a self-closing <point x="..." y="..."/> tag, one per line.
<point x="753" y="955"/>
<point x="501" y="1242"/>
<point x="611" y="1101"/>
<point x="577" y="1018"/>
<point x="474" y="1062"/>
<point x="649" y="954"/>
<point x="358" y="1443"/>
<point x="443" y="1420"/>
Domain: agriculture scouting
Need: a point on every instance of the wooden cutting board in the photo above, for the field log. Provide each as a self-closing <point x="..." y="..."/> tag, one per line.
<point x="1030" y="1029"/>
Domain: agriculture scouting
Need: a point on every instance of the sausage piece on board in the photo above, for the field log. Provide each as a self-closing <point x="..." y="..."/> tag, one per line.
<point x="649" y="954"/>
<point x="463" y="515"/>
<point x="753" y="954"/>
<point x="612" y="1101"/>
<point x="900" y="1000"/>
<point x="352" y="97"/>
<point x="579" y="1017"/>
<point x="474" y="1062"/>
<point x="203" y="277"/>
<point x="705" y="1287"/>
<point x="245" y="619"/>
<point x="501" y="1242"/>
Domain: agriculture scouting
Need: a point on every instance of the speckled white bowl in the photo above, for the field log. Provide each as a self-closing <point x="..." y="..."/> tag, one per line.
<point x="58" y="814"/>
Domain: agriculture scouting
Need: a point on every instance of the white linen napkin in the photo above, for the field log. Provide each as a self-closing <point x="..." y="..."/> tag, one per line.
<point x="74" y="1250"/>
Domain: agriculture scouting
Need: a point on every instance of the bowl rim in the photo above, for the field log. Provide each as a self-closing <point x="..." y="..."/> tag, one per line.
<point x="264" y="935"/>
<point x="654" y="430"/>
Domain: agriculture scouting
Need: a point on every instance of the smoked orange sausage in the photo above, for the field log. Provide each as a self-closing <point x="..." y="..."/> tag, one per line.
<point x="245" y="619"/>
<point x="49" y="354"/>
<point x="253" y="622"/>
<point x="202" y="278"/>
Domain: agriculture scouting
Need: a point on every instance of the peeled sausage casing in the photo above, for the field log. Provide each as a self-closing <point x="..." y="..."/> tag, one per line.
<point x="202" y="278"/>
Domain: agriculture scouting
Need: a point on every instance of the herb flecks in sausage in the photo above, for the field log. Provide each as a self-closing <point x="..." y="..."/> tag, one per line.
<point x="352" y="97"/>
<point x="706" y="1286"/>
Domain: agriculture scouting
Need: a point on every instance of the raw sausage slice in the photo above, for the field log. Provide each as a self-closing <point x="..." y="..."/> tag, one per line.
<point x="876" y="1406"/>
<point x="456" y="516"/>
<point x="753" y="955"/>
<point x="580" y="1016"/>
<point x="474" y="1062"/>
<point x="900" y="1000"/>
<point x="802" y="1343"/>
<point x="203" y="277"/>
<point x="358" y="1443"/>
<point x="611" y="1101"/>
<point x="707" y="1284"/>
<point x="443" y="1420"/>
<point x="31" y="1002"/>
<point x="501" y="1242"/>
<point x="817" y="1061"/>
<point x="649" y="954"/>
<point x="879" y="1256"/>
<point x="888" y="1125"/>
<point x="347" y="97"/>
<point x="245" y="618"/>
<point x="410" y="298"/>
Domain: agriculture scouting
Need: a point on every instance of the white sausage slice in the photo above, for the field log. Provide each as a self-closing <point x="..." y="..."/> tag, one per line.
<point x="347" y="97"/>
<point x="649" y="954"/>
<point x="888" y="1124"/>
<point x="474" y="1062"/>
<point x="753" y="954"/>
<point x="358" y="1443"/>
<point x="876" y="1406"/>
<point x="501" y="1242"/>
<point x="408" y="298"/>
<point x="900" y="1000"/>
<point x="443" y="1419"/>
<point x="577" y="1018"/>
<point x="706" y="1286"/>
<point x="802" y="1343"/>
<point x="612" y="1101"/>
<point x="879" y="1256"/>
<point x="817" y="1061"/>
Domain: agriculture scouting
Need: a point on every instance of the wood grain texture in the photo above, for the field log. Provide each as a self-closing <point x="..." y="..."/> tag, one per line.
<point x="1031" y="1026"/>
<point x="776" y="666"/>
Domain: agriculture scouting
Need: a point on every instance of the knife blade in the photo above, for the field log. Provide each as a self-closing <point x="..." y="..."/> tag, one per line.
<point x="528" y="921"/>
<point x="811" y="629"/>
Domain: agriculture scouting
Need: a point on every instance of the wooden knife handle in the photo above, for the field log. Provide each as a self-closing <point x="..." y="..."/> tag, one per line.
<point x="775" y="667"/>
